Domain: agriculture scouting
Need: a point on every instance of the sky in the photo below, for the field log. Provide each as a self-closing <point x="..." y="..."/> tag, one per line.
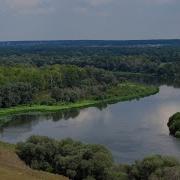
<point x="89" y="19"/>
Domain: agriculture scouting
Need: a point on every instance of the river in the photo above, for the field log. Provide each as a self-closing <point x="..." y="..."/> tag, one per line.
<point x="131" y="130"/>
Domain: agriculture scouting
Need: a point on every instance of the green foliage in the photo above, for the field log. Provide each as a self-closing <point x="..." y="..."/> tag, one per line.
<point x="159" y="60"/>
<point x="152" y="167"/>
<point x="174" y="125"/>
<point x="177" y="134"/>
<point x="67" y="157"/>
<point x="121" y="92"/>
<point x="51" y="84"/>
<point x="167" y="173"/>
<point x="92" y="162"/>
<point x="15" y="93"/>
<point x="128" y="90"/>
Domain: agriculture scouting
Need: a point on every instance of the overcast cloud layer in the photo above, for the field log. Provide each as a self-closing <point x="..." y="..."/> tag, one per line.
<point x="89" y="19"/>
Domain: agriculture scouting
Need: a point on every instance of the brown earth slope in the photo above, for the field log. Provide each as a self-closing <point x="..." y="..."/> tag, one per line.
<point x="12" y="168"/>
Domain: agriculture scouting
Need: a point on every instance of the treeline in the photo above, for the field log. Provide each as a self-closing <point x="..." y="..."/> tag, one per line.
<point x="51" y="84"/>
<point x="156" y="52"/>
<point x="13" y="94"/>
<point x="30" y="74"/>
<point x="164" y="61"/>
<point x="92" y="162"/>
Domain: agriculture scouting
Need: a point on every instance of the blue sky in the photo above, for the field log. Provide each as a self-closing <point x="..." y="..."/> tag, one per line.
<point x="89" y="19"/>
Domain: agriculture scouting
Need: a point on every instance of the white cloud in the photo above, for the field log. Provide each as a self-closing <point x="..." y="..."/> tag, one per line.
<point x="103" y="2"/>
<point x="21" y="4"/>
<point x="82" y="6"/>
<point x="29" y="6"/>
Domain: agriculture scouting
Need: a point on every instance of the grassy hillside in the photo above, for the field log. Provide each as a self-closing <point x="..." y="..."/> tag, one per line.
<point x="12" y="168"/>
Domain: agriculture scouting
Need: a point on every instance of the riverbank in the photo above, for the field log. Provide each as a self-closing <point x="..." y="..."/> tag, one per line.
<point x="122" y="92"/>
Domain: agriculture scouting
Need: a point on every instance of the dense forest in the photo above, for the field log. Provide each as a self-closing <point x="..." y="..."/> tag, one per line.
<point x="50" y="84"/>
<point x="158" y="58"/>
<point x="63" y="71"/>
<point x="58" y="84"/>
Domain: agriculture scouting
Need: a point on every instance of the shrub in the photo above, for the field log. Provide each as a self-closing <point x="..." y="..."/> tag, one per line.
<point x="168" y="173"/>
<point x="92" y="162"/>
<point x="177" y="134"/>
<point x="67" y="157"/>
<point x="174" y="125"/>
<point x="146" y="168"/>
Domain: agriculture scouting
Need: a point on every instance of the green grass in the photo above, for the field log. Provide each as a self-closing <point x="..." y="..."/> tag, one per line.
<point x="131" y="74"/>
<point x="122" y="92"/>
<point x="7" y="146"/>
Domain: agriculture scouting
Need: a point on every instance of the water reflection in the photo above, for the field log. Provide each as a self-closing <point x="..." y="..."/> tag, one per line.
<point x="131" y="130"/>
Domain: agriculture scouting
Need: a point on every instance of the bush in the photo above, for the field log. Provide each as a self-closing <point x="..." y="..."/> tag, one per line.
<point x="66" y="95"/>
<point x="67" y="157"/>
<point x="14" y="94"/>
<point x="168" y="173"/>
<point x="174" y="125"/>
<point x="91" y="162"/>
<point x="147" y="168"/>
<point x="177" y="134"/>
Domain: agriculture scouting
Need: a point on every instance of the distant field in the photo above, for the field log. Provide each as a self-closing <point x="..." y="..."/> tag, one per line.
<point x="12" y="168"/>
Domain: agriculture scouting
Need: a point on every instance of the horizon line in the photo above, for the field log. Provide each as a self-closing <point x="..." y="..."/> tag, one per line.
<point x="158" y="39"/>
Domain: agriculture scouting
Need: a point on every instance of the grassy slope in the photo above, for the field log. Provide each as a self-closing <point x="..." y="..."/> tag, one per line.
<point x="12" y="168"/>
<point x="122" y="92"/>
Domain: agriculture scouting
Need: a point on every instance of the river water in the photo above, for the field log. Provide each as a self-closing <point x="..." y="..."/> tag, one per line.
<point x="131" y="130"/>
